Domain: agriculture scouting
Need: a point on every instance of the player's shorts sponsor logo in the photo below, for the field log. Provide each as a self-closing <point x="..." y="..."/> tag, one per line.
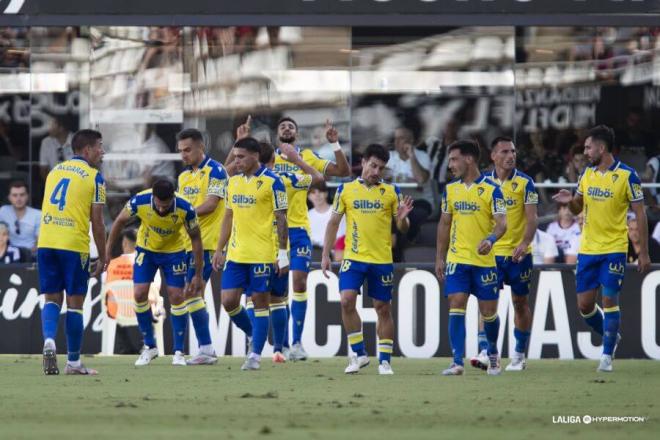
<point x="243" y="200"/>
<point x="466" y="206"/>
<point x="526" y="276"/>
<point x="387" y="280"/>
<point x="180" y="268"/>
<point x="616" y="268"/>
<point x="490" y="278"/>
<point x="261" y="270"/>
<point x="599" y="193"/>
<point x="59" y="221"/>
<point x="303" y="252"/>
<point x="367" y="205"/>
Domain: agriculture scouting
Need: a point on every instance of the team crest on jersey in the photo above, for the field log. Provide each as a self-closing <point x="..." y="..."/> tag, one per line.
<point x="514" y="185"/>
<point x="382" y="191"/>
<point x="615" y="177"/>
<point x="259" y="183"/>
<point x="480" y="191"/>
<point x="174" y="218"/>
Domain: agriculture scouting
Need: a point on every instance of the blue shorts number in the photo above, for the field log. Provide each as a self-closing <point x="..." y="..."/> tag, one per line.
<point x="59" y="194"/>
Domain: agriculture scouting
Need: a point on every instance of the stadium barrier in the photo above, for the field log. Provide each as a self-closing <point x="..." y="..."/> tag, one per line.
<point x="419" y="312"/>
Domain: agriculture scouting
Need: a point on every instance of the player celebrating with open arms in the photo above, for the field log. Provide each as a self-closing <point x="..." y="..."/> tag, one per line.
<point x="605" y="191"/>
<point x="370" y="206"/>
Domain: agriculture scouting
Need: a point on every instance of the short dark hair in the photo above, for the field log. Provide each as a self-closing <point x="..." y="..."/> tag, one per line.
<point x="604" y="134"/>
<point x="378" y="151"/>
<point x="466" y="147"/>
<point x="18" y="184"/>
<point x="129" y="234"/>
<point x="163" y="189"/>
<point x="190" y="133"/>
<point x="266" y="152"/>
<point x="319" y="186"/>
<point x="499" y="139"/>
<point x="83" y="138"/>
<point x="248" y="143"/>
<point x="577" y="149"/>
<point x="66" y="121"/>
<point x="287" y="118"/>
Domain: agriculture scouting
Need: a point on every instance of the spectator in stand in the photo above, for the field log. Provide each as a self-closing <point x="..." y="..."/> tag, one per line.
<point x="56" y="147"/>
<point x="436" y="148"/>
<point x="636" y="144"/>
<point x="8" y="254"/>
<point x="571" y="253"/>
<point x="319" y="216"/>
<point x="634" y="245"/>
<point x="410" y="165"/>
<point x="564" y="229"/>
<point x="577" y="163"/>
<point x="544" y="248"/>
<point x="23" y="220"/>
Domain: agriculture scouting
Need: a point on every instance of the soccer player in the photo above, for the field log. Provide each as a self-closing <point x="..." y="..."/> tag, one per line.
<point x="256" y="199"/>
<point x="74" y="195"/>
<point x="471" y="205"/>
<point x="160" y="245"/>
<point x="294" y="183"/>
<point x="370" y="205"/>
<point x="605" y="191"/>
<point x="513" y="251"/>
<point x="299" y="228"/>
<point x="202" y="183"/>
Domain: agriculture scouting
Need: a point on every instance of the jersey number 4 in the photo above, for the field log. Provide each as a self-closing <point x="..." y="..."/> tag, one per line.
<point x="58" y="197"/>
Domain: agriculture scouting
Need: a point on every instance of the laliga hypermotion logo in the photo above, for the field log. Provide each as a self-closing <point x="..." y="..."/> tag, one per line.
<point x="14" y="7"/>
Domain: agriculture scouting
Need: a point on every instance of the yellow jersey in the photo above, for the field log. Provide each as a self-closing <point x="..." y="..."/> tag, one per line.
<point x="472" y="209"/>
<point x="162" y="233"/>
<point x="606" y="199"/>
<point x="195" y="185"/>
<point x="72" y="187"/>
<point x="297" y="214"/>
<point x="253" y="201"/>
<point x="518" y="190"/>
<point x="369" y="212"/>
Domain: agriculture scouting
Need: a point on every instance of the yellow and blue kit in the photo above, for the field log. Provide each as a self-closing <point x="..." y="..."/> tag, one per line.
<point x="72" y="187"/>
<point x="604" y="240"/>
<point x="160" y="238"/>
<point x="253" y="201"/>
<point x="473" y="209"/>
<point x="518" y="190"/>
<point x="297" y="216"/>
<point x="196" y="185"/>
<point x="369" y="212"/>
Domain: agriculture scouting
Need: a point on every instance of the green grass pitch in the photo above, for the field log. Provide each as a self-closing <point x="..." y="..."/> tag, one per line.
<point x="315" y="400"/>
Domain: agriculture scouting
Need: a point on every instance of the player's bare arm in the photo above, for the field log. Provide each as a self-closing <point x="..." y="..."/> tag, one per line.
<point x="225" y="230"/>
<point x="500" y="228"/>
<point x="341" y="167"/>
<point x="292" y="156"/>
<point x="530" y="229"/>
<point x="575" y="202"/>
<point x="402" y="221"/>
<point x="644" y="261"/>
<point x="329" y="240"/>
<point x="442" y="244"/>
<point x="118" y="226"/>
<point x="98" y="231"/>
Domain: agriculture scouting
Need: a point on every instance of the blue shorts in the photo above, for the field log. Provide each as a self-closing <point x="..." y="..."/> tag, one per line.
<point x="300" y="246"/>
<point x="173" y="265"/>
<point x="605" y="270"/>
<point x="476" y="280"/>
<point x="206" y="269"/>
<point x="380" y="278"/>
<point x="279" y="284"/>
<point x="253" y="278"/>
<point x="61" y="270"/>
<point x="516" y="275"/>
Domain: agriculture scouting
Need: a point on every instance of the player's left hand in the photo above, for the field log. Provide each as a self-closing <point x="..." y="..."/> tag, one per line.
<point x="243" y="130"/>
<point x="484" y="247"/>
<point x="99" y="268"/>
<point x="405" y="207"/>
<point x="218" y="261"/>
<point x="519" y="252"/>
<point x="195" y="286"/>
<point x="643" y="262"/>
<point x="331" y="133"/>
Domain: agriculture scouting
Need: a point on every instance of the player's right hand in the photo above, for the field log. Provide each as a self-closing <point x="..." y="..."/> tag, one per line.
<point x="218" y="261"/>
<point x="100" y="267"/>
<point x="440" y="270"/>
<point x="243" y="130"/>
<point x="325" y="265"/>
<point x="563" y="196"/>
<point x="289" y="152"/>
